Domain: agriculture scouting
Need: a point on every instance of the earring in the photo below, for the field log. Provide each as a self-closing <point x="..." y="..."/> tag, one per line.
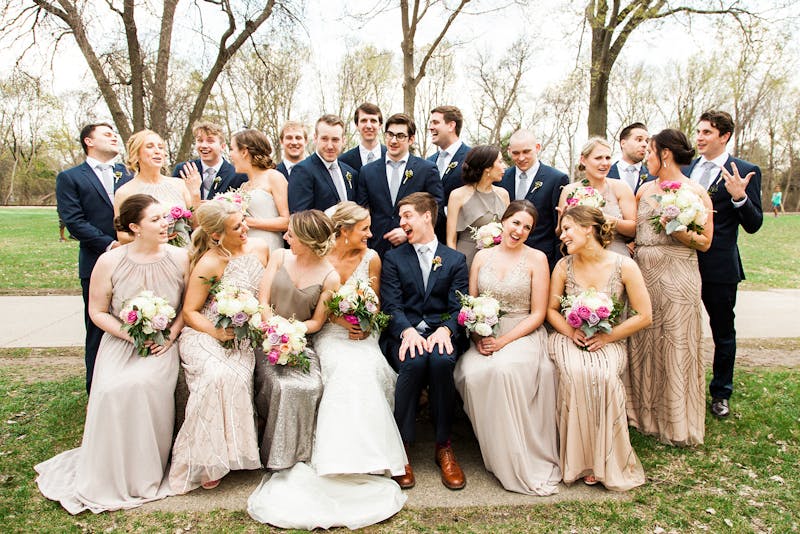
<point x="346" y="241"/>
<point x="138" y="234"/>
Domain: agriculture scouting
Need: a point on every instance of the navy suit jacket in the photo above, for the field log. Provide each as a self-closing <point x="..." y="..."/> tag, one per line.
<point x="353" y="157"/>
<point x="405" y="298"/>
<point x="644" y="175"/>
<point x="228" y="177"/>
<point x="451" y="181"/>
<point x="281" y="168"/>
<point x="722" y="264"/>
<point x="311" y="185"/>
<point x="88" y="213"/>
<point x="373" y="194"/>
<point x="544" y="192"/>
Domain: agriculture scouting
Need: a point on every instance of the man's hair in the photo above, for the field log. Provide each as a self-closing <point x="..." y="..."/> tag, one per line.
<point x="421" y="202"/>
<point x="208" y="128"/>
<point x="330" y="120"/>
<point x="88" y="130"/>
<point x="451" y="114"/>
<point x="293" y="125"/>
<point x="626" y="132"/>
<point x="368" y="109"/>
<point x="721" y="120"/>
<point x="402" y="118"/>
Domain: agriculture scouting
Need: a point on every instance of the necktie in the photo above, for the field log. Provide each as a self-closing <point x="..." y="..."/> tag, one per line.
<point x="394" y="179"/>
<point x="632" y="178"/>
<point x="336" y="176"/>
<point x="424" y="264"/>
<point x="708" y="171"/>
<point x="107" y="178"/>
<point x="441" y="161"/>
<point x="522" y="187"/>
<point x="370" y="157"/>
<point x="208" y="181"/>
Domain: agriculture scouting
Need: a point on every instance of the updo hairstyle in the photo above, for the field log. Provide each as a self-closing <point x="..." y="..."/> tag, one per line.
<point x="586" y="216"/>
<point x="590" y="145"/>
<point x="346" y="215"/>
<point x="211" y="217"/>
<point x="314" y="229"/>
<point x="477" y="160"/>
<point x="521" y="205"/>
<point x="132" y="212"/>
<point x="676" y="142"/>
<point x="257" y="145"/>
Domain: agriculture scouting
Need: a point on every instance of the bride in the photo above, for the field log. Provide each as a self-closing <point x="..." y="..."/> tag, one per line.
<point x="356" y="434"/>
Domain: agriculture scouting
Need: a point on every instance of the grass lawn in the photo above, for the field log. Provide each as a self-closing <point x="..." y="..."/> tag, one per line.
<point x="770" y="256"/>
<point x="742" y="480"/>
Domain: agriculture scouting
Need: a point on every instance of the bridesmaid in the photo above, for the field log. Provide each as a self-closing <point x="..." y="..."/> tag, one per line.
<point x="146" y="159"/>
<point x="219" y="433"/>
<point x="667" y="378"/>
<point x="297" y="284"/>
<point x="479" y="201"/>
<point x="268" y="209"/>
<point x="592" y="424"/>
<point x="519" y="442"/>
<point x="620" y="207"/>
<point x="122" y="459"/>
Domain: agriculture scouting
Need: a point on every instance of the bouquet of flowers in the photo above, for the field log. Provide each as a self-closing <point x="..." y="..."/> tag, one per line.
<point x="479" y="314"/>
<point x="585" y="195"/>
<point x="237" y="308"/>
<point x="179" y="226"/>
<point x="488" y="235"/>
<point x="358" y="304"/>
<point x="679" y="209"/>
<point x="235" y="196"/>
<point x="591" y="311"/>
<point x="284" y="342"/>
<point x="146" y="317"/>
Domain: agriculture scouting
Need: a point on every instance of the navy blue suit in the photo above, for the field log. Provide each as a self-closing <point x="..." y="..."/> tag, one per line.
<point x="644" y="175"/>
<point x="721" y="267"/>
<point x="451" y="180"/>
<point x="406" y="299"/>
<point x="88" y="214"/>
<point x="353" y="157"/>
<point x="281" y="168"/>
<point x="373" y="193"/>
<point x="228" y="177"/>
<point x="543" y="192"/>
<point x="311" y="185"/>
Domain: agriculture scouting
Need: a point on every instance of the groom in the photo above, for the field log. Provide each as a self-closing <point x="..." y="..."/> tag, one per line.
<point x="423" y="341"/>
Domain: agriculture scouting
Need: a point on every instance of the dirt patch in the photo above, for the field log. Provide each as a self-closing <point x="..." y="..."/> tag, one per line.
<point x="767" y="352"/>
<point x="43" y="365"/>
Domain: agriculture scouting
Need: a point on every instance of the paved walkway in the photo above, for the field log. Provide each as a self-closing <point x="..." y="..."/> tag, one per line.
<point x="57" y="321"/>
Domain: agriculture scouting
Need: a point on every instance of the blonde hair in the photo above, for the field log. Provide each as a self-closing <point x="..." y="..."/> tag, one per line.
<point x="346" y="215"/>
<point x="314" y="229"/>
<point x="133" y="146"/>
<point x="211" y="217"/>
<point x="589" y="217"/>
<point x="208" y="128"/>
<point x="590" y="145"/>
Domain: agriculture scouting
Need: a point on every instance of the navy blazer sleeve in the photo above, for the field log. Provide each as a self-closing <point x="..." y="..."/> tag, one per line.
<point x="301" y="189"/>
<point x="459" y="282"/>
<point x="750" y="214"/>
<point x="392" y="295"/>
<point x="72" y="212"/>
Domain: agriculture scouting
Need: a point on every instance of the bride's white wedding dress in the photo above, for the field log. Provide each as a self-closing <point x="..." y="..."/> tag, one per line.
<point x="356" y="434"/>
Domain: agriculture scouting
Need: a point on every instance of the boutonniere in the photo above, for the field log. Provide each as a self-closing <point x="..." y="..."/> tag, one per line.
<point x="409" y="175"/>
<point x="217" y="181"/>
<point x="453" y="165"/>
<point x="117" y="176"/>
<point x="713" y="189"/>
<point x="436" y="263"/>
<point x="585" y="182"/>
<point x="642" y="177"/>
<point x="349" y="177"/>
<point x="536" y="185"/>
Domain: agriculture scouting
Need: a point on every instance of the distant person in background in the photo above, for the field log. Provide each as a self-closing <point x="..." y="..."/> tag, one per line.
<point x="368" y="120"/>
<point x="630" y="168"/>
<point x="777" y="202"/>
<point x="445" y="126"/>
<point x="293" y="145"/>
<point x="85" y="197"/>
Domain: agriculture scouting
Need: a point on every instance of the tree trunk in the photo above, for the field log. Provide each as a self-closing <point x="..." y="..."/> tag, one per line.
<point x="597" y="120"/>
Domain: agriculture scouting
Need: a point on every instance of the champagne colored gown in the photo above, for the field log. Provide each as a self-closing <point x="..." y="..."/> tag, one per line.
<point x="479" y="209"/>
<point x="262" y="206"/>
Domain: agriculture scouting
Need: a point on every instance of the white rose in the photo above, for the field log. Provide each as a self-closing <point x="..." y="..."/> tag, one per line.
<point x="250" y="305"/>
<point x="148" y="310"/>
<point x="483" y="329"/>
<point x="687" y="215"/>
<point x="255" y="320"/>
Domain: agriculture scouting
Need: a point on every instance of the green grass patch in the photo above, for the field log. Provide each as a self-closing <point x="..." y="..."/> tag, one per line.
<point x="34" y="261"/>
<point x="770" y="255"/>
<point x="742" y="480"/>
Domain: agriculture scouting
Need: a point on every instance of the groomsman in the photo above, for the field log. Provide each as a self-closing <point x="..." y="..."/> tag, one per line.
<point x="216" y="174"/>
<point x="530" y="179"/>
<point x="633" y="141"/>
<point x="368" y="120"/>
<point x="445" y="127"/>
<point x="423" y="340"/>
<point x="386" y="181"/>
<point x="735" y="189"/>
<point x="321" y="181"/>
<point x="293" y="144"/>
<point x="85" y="197"/>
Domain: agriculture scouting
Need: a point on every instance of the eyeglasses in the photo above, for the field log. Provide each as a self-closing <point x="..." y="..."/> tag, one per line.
<point x="392" y="135"/>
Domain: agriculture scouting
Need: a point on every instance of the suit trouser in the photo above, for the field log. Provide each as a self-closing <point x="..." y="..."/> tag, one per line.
<point x="719" y="300"/>
<point x="93" y="336"/>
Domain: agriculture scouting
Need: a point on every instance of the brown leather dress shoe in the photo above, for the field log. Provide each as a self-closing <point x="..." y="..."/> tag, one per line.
<point x="406" y="481"/>
<point x="452" y="476"/>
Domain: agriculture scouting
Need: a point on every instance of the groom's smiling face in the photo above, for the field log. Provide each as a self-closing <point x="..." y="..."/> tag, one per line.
<point x="418" y="227"/>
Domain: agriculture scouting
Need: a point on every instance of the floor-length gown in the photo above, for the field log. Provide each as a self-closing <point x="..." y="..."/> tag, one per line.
<point x="262" y="206"/>
<point x="592" y="423"/>
<point x="128" y="431"/>
<point x="479" y="209"/>
<point x="287" y="398"/>
<point x="612" y="209"/>
<point x="168" y="195"/>
<point x="510" y="396"/>
<point x="666" y="394"/>
<point x="219" y="433"/>
<point x="356" y="434"/>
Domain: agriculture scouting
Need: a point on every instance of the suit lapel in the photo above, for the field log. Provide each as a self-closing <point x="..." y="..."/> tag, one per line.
<point x="406" y="181"/>
<point x="435" y="272"/>
<point x="92" y="178"/>
<point x="413" y="261"/>
<point x="325" y="176"/>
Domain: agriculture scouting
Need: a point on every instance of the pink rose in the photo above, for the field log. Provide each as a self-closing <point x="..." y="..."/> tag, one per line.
<point x="187" y="214"/>
<point x="344" y="306"/>
<point x="573" y="320"/>
<point x="352" y="319"/>
<point x="670" y="186"/>
<point x="462" y="317"/>
<point x="284" y="338"/>
<point x="583" y="312"/>
<point x="176" y="212"/>
<point x="133" y="316"/>
<point x="572" y="201"/>
<point x="603" y="312"/>
<point x="671" y="211"/>
<point x="159" y="322"/>
<point x="371" y="307"/>
<point x="498" y="239"/>
<point x="273" y="356"/>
